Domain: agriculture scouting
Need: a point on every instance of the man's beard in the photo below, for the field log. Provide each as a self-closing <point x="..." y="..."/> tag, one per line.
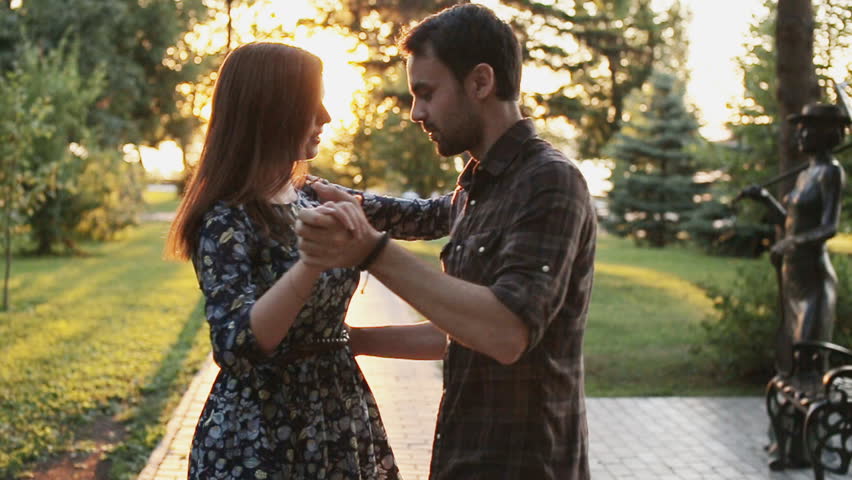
<point x="466" y="134"/>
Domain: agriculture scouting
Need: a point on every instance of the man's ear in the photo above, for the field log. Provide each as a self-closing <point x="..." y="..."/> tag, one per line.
<point x="480" y="82"/>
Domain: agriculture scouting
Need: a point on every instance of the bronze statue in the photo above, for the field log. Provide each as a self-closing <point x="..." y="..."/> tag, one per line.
<point x="809" y="216"/>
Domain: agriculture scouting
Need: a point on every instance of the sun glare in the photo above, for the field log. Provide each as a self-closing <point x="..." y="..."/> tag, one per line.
<point x="270" y="20"/>
<point x="165" y="161"/>
<point x="341" y="77"/>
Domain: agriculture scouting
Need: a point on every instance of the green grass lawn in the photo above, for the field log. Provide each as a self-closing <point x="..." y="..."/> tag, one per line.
<point x="117" y="335"/>
<point x="159" y="202"/>
<point x="644" y="319"/>
<point x="841" y="243"/>
<point x="113" y="336"/>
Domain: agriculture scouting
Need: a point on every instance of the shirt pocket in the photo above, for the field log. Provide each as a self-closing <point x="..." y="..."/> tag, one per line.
<point x="472" y="257"/>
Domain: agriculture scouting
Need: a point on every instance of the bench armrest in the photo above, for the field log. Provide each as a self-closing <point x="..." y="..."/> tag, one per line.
<point x="838" y="380"/>
<point x="820" y="356"/>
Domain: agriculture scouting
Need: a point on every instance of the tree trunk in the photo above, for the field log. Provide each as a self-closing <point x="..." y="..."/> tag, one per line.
<point x="7" y="233"/>
<point x="7" y="237"/>
<point x="797" y="81"/>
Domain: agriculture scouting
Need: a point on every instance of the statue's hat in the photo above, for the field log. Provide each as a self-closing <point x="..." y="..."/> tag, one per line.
<point x="820" y="112"/>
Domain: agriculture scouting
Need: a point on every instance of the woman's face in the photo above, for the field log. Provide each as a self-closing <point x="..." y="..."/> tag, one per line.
<point x="310" y="145"/>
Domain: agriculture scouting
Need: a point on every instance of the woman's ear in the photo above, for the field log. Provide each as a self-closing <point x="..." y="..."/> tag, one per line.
<point x="481" y="82"/>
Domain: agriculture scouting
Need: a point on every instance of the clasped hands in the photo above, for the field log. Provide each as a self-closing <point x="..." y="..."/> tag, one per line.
<point x="335" y="234"/>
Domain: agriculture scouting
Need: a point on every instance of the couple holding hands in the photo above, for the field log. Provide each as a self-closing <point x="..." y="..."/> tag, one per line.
<point x="278" y="259"/>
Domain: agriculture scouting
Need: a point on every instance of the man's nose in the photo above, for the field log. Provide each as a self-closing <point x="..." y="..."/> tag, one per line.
<point x="418" y="114"/>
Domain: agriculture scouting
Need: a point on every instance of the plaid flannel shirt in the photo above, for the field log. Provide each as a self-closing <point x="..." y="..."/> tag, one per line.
<point x="521" y="222"/>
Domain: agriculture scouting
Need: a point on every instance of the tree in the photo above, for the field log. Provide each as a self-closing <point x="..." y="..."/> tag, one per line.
<point x="753" y="155"/>
<point x="604" y="50"/>
<point x="654" y="190"/>
<point x="797" y="80"/>
<point x="44" y="96"/>
<point x="600" y="50"/>
<point x="134" y="39"/>
<point x="131" y="47"/>
<point x="719" y="226"/>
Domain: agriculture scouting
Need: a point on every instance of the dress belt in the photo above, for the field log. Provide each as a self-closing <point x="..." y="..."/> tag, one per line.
<point x="308" y="349"/>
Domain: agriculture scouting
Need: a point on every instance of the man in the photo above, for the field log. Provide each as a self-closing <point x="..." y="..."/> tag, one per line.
<point x="519" y="263"/>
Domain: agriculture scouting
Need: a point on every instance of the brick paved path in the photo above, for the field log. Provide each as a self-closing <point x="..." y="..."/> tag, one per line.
<point x="630" y="438"/>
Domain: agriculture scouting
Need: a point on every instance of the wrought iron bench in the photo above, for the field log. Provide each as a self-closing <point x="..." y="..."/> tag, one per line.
<point x="811" y="409"/>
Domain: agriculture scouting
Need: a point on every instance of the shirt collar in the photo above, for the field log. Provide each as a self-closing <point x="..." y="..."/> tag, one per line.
<point x="501" y="154"/>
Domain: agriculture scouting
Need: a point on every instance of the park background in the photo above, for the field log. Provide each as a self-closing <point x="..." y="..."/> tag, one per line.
<point x="670" y="108"/>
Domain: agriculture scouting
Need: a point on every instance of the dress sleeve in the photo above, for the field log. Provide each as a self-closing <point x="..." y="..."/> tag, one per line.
<point x="405" y="219"/>
<point x="416" y="219"/>
<point x="541" y="248"/>
<point x="224" y="268"/>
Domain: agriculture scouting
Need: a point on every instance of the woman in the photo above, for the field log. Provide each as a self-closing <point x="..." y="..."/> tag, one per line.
<point x="810" y="217"/>
<point x="289" y="401"/>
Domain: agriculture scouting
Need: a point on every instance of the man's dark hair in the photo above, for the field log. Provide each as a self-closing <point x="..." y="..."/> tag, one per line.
<point x="466" y="35"/>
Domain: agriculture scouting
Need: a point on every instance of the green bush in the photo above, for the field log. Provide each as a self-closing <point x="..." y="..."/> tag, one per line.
<point x="715" y="228"/>
<point x="741" y="333"/>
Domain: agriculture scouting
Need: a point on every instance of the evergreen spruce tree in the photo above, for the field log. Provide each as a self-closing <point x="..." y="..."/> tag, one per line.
<point x="654" y="190"/>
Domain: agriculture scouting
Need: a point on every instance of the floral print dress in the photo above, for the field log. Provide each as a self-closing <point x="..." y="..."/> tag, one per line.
<point x="275" y="417"/>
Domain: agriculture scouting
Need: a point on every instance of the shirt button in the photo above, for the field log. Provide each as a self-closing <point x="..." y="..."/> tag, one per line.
<point x="437" y="436"/>
<point x="472" y="203"/>
<point x="545" y="269"/>
<point x="481" y="249"/>
<point x="458" y="247"/>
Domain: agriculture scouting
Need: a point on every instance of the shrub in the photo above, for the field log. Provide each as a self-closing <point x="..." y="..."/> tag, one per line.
<point x="741" y="333"/>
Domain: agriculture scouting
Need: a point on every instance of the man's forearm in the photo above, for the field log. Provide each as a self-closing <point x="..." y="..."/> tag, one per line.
<point x="469" y="313"/>
<point x="418" y="341"/>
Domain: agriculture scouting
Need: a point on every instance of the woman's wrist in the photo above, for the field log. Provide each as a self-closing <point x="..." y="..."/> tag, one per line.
<point x="302" y="277"/>
<point x="308" y="269"/>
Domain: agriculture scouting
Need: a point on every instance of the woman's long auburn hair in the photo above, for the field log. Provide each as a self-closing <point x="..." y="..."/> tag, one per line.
<point x="264" y="102"/>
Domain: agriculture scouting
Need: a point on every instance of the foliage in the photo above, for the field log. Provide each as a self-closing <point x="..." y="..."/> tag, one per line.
<point x="126" y="81"/>
<point x="75" y="190"/>
<point x="385" y="151"/>
<point x="136" y="40"/>
<point x="741" y="334"/>
<point x="613" y="49"/>
<point x="654" y="190"/>
<point x="752" y="156"/>
<point x="44" y="97"/>
<point x="718" y="230"/>
<point x="55" y="75"/>
<point x="597" y="52"/>
<point x="114" y="335"/>
<point x="114" y="187"/>
<point x="755" y="127"/>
